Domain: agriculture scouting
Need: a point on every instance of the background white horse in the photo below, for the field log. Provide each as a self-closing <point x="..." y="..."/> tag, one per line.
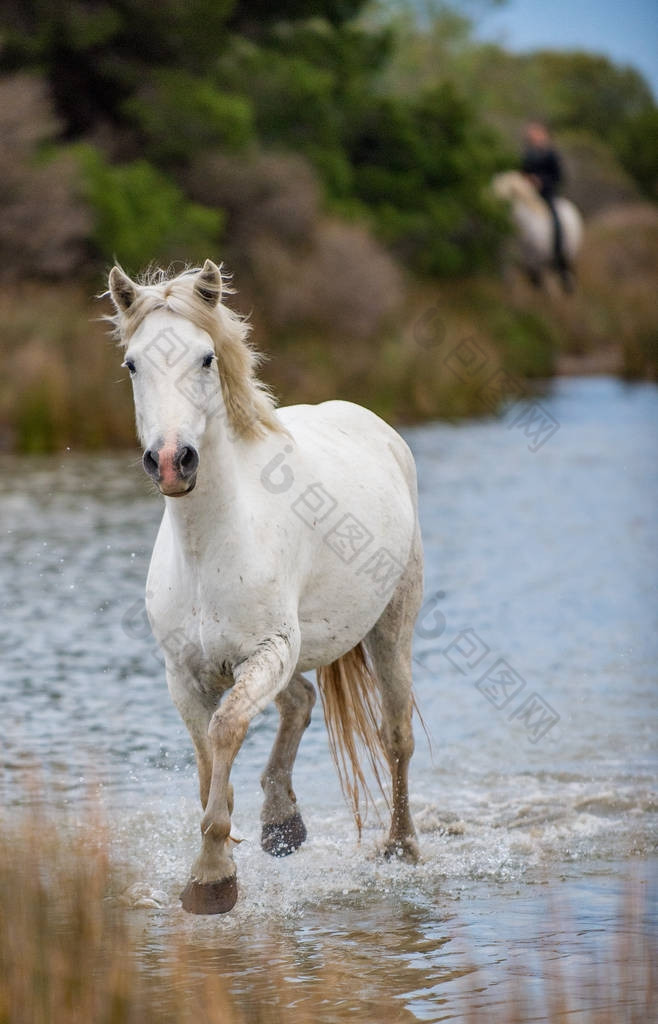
<point x="289" y="541"/>
<point x="534" y="227"/>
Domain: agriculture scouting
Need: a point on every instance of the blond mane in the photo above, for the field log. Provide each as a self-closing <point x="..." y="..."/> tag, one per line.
<point x="250" y="406"/>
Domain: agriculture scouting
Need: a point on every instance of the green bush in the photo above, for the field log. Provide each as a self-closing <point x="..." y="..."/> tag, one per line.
<point x="421" y="167"/>
<point x="292" y="99"/>
<point x="527" y="341"/>
<point x="142" y="217"/>
<point x="180" y="115"/>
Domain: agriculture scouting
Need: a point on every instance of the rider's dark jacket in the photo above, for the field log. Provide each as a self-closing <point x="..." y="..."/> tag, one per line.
<point x="545" y="164"/>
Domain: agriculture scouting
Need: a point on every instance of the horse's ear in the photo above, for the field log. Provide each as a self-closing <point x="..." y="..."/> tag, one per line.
<point x="122" y="290"/>
<point x="208" y="283"/>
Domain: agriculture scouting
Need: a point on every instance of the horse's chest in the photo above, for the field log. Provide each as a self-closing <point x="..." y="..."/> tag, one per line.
<point x="213" y="628"/>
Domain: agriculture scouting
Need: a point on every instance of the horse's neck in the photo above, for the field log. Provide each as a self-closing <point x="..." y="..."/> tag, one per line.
<point x="214" y="507"/>
<point x="533" y="202"/>
<point x="532" y="217"/>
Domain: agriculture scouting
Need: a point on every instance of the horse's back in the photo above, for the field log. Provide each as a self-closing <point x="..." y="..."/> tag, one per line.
<point x="351" y="443"/>
<point x="350" y="425"/>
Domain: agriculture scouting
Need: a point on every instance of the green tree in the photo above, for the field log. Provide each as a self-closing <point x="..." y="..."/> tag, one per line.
<point x="97" y="53"/>
<point x="170" y="81"/>
<point x="590" y="92"/>
<point x="142" y="217"/>
<point x="179" y="114"/>
<point x="422" y="167"/>
<point x="255" y="18"/>
<point x="635" y="142"/>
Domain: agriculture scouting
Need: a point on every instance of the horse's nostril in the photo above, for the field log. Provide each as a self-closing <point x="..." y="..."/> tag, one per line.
<point x="188" y="461"/>
<point x="150" y="463"/>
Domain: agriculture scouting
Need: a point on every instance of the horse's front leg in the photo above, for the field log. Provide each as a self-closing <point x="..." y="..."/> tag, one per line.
<point x="212" y="889"/>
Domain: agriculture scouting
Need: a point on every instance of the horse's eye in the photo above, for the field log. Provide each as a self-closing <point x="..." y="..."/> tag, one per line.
<point x="129" y="365"/>
<point x="207" y="360"/>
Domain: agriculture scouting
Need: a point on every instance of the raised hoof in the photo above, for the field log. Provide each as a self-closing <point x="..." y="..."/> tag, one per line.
<point x="280" y="840"/>
<point x="210" y="897"/>
<point x="402" y="849"/>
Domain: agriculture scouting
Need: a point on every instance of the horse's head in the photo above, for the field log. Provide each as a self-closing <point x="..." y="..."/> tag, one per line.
<point x="172" y="361"/>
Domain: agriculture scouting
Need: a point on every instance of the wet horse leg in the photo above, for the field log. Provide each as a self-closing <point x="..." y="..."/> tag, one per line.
<point x="196" y="714"/>
<point x="283" y="828"/>
<point x="389" y="645"/>
<point x="212" y="888"/>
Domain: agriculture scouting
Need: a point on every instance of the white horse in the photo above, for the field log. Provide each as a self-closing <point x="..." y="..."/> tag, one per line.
<point x="535" y="229"/>
<point x="289" y="541"/>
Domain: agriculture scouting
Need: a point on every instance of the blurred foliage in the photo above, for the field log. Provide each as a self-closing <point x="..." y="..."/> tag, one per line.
<point x="573" y="91"/>
<point x="168" y="83"/>
<point x="139" y="211"/>
<point x="420" y="167"/>
<point x="179" y="115"/>
<point x="96" y="54"/>
<point x="340" y="151"/>
<point x="595" y="179"/>
<point x="44" y="223"/>
<point x="399" y="112"/>
<point x="61" y="384"/>
<point x="636" y="142"/>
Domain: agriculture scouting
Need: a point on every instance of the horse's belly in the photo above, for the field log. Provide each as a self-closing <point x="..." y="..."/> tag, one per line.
<point x="335" y="616"/>
<point x="322" y="644"/>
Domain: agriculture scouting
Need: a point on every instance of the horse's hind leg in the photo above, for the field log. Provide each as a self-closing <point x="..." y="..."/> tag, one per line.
<point x="389" y="645"/>
<point x="283" y="828"/>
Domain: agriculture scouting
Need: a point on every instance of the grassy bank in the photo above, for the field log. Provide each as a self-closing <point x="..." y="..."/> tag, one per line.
<point x="73" y="950"/>
<point x="62" y="384"/>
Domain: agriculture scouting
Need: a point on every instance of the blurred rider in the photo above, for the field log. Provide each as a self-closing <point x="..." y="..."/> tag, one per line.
<point x="543" y="167"/>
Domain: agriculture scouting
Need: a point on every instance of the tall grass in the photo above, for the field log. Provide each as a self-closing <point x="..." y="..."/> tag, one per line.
<point x="61" y="382"/>
<point x="68" y="947"/>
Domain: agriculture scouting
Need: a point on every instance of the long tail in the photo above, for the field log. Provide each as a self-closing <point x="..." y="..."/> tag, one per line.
<point x="352" y="711"/>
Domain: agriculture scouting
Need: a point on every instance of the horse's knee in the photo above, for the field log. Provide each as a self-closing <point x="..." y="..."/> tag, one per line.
<point x="309" y="691"/>
<point x="297" y="700"/>
<point x="226" y="733"/>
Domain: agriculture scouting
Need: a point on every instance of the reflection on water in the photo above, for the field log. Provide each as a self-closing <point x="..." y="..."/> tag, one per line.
<point x="389" y="956"/>
<point x="540" y="565"/>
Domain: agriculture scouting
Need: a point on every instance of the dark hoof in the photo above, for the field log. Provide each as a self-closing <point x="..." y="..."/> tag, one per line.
<point x="210" y="897"/>
<point x="402" y="849"/>
<point x="280" y="840"/>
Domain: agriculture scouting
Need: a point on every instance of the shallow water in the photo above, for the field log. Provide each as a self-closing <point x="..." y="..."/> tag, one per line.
<point x="538" y="800"/>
